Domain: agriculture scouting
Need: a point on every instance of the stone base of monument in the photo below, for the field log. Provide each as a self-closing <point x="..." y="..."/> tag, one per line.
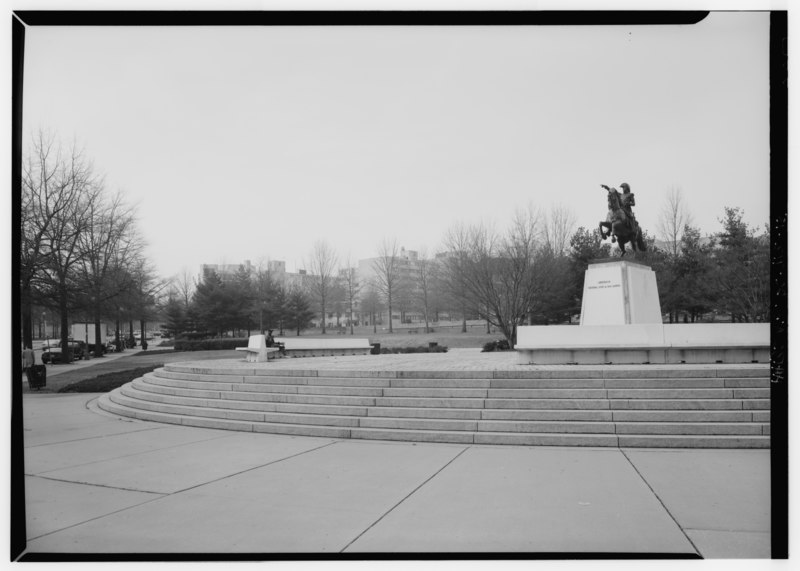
<point x="634" y="344"/>
<point x="620" y="292"/>
<point x="621" y="324"/>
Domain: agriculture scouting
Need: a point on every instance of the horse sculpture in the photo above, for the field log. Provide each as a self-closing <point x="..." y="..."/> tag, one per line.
<point x="622" y="228"/>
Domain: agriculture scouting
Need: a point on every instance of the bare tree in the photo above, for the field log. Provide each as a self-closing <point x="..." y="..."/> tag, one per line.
<point x="145" y="289"/>
<point x="498" y="270"/>
<point x="322" y="268"/>
<point x="110" y="241"/>
<point x="423" y="288"/>
<point x="457" y="242"/>
<point x="48" y="190"/>
<point x="675" y="216"/>
<point x="558" y="228"/>
<point x="61" y="241"/>
<point x="185" y="285"/>
<point x="387" y="273"/>
<point x="352" y="287"/>
<point x="371" y="303"/>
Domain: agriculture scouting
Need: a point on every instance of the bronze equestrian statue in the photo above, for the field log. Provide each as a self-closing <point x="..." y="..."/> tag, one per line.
<point x="620" y="223"/>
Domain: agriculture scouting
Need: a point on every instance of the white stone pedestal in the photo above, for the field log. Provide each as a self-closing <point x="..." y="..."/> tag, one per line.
<point x="620" y="292"/>
<point x="621" y="324"/>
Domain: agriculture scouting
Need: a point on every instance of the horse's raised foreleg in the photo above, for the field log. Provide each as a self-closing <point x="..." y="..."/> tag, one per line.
<point x="607" y="226"/>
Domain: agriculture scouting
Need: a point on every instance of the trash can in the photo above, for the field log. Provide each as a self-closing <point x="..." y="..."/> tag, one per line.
<point x="376" y="349"/>
<point x="38" y="377"/>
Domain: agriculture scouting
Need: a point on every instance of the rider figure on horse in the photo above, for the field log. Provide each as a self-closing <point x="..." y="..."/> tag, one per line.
<point x="620" y="223"/>
<point x="626" y="202"/>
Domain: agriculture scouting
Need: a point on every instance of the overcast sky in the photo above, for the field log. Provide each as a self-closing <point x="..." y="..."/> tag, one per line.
<point x="253" y="143"/>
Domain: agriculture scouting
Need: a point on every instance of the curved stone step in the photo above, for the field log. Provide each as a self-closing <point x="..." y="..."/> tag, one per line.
<point x="111" y="403"/>
<point x="688" y="404"/>
<point x="502" y="379"/>
<point x="688" y="441"/>
<point x="626" y="399"/>
<point x="226" y="401"/>
<point x="688" y="416"/>
<point x="189" y="409"/>
<point x="691" y="428"/>
<point x="634" y="407"/>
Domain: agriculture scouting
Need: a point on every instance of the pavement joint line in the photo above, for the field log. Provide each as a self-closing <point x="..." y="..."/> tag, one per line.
<point x="159" y="497"/>
<point x="728" y="530"/>
<point x="683" y="531"/>
<point x="88" y="438"/>
<point x="253" y="468"/>
<point x="93" y="484"/>
<point x="411" y="493"/>
<point x="214" y="437"/>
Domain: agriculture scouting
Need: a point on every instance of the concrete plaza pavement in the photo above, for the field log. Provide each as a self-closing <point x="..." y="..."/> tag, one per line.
<point x="95" y="483"/>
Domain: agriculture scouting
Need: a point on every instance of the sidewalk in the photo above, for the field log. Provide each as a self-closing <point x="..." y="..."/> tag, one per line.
<point x="98" y="484"/>
<point x="54" y="369"/>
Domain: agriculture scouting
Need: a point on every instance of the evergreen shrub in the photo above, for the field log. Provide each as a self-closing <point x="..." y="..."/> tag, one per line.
<point x="499" y="345"/>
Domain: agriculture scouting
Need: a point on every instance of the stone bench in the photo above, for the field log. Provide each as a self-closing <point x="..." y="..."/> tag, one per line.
<point x="300" y="347"/>
<point x="657" y="343"/>
<point x="257" y="350"/>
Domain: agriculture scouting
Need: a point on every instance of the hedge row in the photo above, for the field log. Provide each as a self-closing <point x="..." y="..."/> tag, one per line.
<point x="501" y="345"/>
<point x="434" y="349"/>
<point x="232" y="343"/>
<point x="210" y="344"/>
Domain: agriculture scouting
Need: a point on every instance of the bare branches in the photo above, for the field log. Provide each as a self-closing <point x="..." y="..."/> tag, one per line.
<point x="352" y="288"/>
<point x="558" y="228"/>
<point x="75" y="238"/>
<point x="387" y="273"/>
<point x="675" y="216"/>
<point x="496" y="272"/>
<point x="322" y="266"/>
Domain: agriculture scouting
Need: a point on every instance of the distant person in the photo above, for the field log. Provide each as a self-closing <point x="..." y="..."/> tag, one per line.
<point x="28" y="361"/>
<point x="271" y="343"/>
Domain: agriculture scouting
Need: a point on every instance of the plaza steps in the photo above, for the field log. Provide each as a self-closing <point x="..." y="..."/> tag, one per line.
<point x="684" y="407"/>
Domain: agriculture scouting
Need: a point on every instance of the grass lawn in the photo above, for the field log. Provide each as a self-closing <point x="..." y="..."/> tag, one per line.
<point x="108" y="381"/>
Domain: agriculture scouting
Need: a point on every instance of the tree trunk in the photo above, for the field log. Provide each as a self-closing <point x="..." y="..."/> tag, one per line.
<point x="352" y="320"/>
<point x="66" y="356"/>
<point x="390" y="315"/>
<point x="142" y="325"/>
<point x="323" y="317"/>
<point x="27" y="328"/>
<point x="98" y="344"/>
<point x="117" y="341"/>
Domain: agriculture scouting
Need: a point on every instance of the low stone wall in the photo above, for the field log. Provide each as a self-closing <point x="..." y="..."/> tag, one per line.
<point x="299" y="347"/>
<point x="630" y="344"/>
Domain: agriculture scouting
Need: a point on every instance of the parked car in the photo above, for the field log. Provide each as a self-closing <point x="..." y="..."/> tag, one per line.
<point x="51" y="350"/>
